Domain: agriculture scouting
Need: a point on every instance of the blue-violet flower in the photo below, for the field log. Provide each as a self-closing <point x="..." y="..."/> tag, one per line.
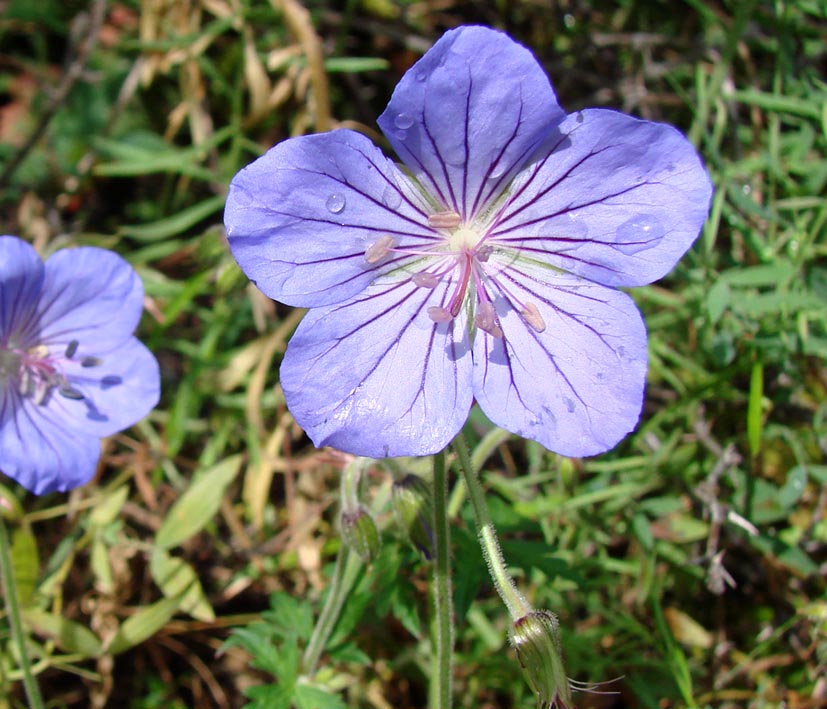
<point x="485" y="268"/>
<point x="70" y="370"/>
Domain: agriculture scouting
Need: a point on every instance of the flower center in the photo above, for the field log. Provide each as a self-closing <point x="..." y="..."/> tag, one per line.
<point x="38" y="372"/>
<point x="464" y="239"/>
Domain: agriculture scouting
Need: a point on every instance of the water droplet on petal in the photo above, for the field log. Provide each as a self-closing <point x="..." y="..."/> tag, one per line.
<point x="496" y="172"/>
<point x="392" y="197"/>
<point x="421" y="75"/>
<point x="641" y="232"/>
<point x="403" y="121"/>
<point x="335" y="203"/>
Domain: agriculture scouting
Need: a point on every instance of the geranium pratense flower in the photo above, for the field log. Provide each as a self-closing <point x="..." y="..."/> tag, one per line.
<point x="70" y="370"/>
<point x="484" y="268"/>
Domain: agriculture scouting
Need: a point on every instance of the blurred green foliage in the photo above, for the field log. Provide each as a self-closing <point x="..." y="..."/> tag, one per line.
<point x="689" y="562"/>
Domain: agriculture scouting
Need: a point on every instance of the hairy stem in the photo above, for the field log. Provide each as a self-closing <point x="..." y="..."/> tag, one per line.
<point x="516" y="603"/>
<point x="443" y="601"/>
<point x="344" y="575"/>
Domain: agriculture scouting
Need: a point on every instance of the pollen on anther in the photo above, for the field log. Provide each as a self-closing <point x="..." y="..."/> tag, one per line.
<point x="445" y="220"/>
<point x="486" y="319"/>
<point x="71" y="348"/>
<point x="379" y="249"/>
<point x="439" y="314"/>
<point x="532" y="316"/>
<point x="425" y="279"/>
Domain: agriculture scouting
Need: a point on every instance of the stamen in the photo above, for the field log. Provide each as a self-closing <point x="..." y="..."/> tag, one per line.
<point x="532" y="316"/>
<point x="91" y="362"/>
<point x="486" y="319"/>
<point x="68" y="392"/>
<point x="445" y="220"/>
<point x="379" y="249"/>
<point x="71" y="348"/>
<point x="425" y="279"/>
<point x="439" y="314"/>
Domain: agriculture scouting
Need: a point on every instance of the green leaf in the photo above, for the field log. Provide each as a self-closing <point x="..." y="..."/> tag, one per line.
<point x="69" y="636"/>
<point x="177" y="579"/>
<point x="198" y="505"/>
<point x="144" y="624"/>
<point x="177" y="223"/>
<point x="310" y="697"/>
<point x="25" y="562"/>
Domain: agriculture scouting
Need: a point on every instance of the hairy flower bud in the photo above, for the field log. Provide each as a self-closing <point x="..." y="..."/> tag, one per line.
<point x="537" y="642"/>
<point x="360" y="534"/>
<point x="413" y="504"/>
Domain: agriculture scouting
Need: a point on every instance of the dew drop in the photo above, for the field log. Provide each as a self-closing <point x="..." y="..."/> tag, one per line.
<point x="421" y="76"/>
<point x="403" y="121"/>
<point x="391" y="197"/>
<point x="641" y="232"/>
<point x="496" y="172"/>
<point x="335" y="204"/>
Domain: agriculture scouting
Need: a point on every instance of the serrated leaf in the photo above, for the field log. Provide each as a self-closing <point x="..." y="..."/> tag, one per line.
<point x="69" y="636"/>
<point x="310" y="697"/>
<point x="198" y="505"/>
<point x="176" y="578"/>
<point x="144" y="624"/>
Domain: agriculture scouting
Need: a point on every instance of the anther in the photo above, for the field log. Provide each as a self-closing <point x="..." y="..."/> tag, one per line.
<point x="68" y="392"/>
<point x="379" y="249"/>
<point x="71" y="348"/>
<point x="439" y="315"/>
<point x="532" y="316"/>
<point x="486" y="319"/>
<point x="91" y="362"/>
<point x="444" y="220"/>
<point x="425" y="279"/>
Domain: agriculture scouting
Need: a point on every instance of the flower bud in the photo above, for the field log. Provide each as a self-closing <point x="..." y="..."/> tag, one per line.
<point x="537" y="642"/>
<point x="413" y="505"/>
<point x="360" y="534"/>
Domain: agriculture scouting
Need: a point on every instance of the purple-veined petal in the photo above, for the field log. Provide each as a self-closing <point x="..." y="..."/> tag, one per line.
<point x="21" y="277"/>
<point x="617" y="200"/>
<point x="375" y="376"/>
<point x="573" y="381"/>
<point x="39" y="451"/>
<point x="301" y="217"/>
<point x="89" y="295"/>
<point x="469" y="114"/>
<point x="117" y="392"/>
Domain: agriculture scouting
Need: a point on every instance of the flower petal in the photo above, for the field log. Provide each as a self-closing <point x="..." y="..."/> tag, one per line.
<point x="21" y="277"/>
<point x="90" y="295"/>
<point x="375" y="376"/>
<point x="301" y="218"/>
<point x="39" y="452"/>
<point x="117" y="393"/>
<point x="617" y="200"/>
<point x="569" y="375"/>
<point x="469" y="114"/>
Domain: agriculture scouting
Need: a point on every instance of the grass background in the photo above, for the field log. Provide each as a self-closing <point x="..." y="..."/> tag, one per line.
<point x="689" y="562"/>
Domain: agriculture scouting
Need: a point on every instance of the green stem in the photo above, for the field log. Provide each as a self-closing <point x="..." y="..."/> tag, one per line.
<point x="344" y="575"/>
<point x="443" y="602"/>
<point x="518" y="606"/>
<point x="15" y="624"/>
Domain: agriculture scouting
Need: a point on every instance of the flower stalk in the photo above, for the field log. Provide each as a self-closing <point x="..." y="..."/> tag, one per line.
<point x="18" y="636"/>
<point x="443" y="624"/>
